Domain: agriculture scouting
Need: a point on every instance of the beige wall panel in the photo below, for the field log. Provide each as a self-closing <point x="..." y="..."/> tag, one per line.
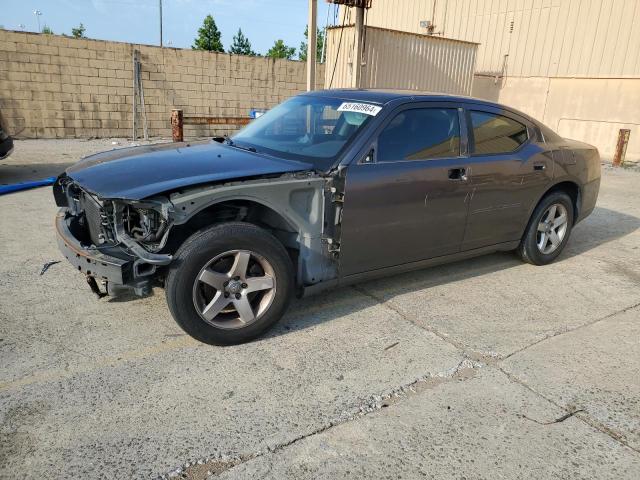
<point x="402" y="61"/>
<point x="603" y="135"/>
<point x="339" y="58"/>
<point x="486" y="88"/>
<point x="589" y="110"/>
<point x="613" y="100"/>
<point x="631" y="53"/>
<point x="525" y="94"/>
<point x="593" y="110"/>
<point x="586" y="38"/>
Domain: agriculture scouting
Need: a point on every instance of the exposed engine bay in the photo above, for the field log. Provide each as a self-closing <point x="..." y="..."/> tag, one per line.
<point x="114" y="222"/>
<point x="147" y="232"/>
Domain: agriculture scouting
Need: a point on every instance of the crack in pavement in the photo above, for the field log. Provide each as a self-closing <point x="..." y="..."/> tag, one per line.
<point x="210" y="467"/>
<point x="488" y="358"/>
<point x="376" y="402"/>
<point x="394" y="308"/>
<point x="584" y="417"/>
<point x="570" y="330"/>
<point x="213" y="466"/>
<point x="557" y="420"/>
<point x="492" y="361"/>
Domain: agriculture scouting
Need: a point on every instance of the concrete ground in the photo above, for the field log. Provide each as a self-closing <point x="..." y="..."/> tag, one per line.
<point x="37" y="159"/>
<point x="486" y="368"/>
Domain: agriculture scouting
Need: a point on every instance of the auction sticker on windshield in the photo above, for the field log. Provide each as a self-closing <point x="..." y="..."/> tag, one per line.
<point x="365" y="108"/>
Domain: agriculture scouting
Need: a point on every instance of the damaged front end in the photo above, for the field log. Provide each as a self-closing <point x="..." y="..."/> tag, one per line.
<point x="116" y="243"/>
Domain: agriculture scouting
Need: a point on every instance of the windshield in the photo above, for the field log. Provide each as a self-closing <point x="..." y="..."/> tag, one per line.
<point x="305" y="128"/>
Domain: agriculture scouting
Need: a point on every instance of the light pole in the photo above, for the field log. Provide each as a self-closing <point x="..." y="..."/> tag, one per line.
<point x="160" y="23"/>
<point x="311" y="45"/>
<point x="38" y="13"/>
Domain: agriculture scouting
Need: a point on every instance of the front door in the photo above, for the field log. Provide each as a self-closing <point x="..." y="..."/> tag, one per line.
<point x="407" y="199"/>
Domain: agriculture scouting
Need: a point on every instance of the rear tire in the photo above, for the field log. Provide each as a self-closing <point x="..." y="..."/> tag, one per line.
<point x="229" y="283"/>
<point x="548" y="230"/>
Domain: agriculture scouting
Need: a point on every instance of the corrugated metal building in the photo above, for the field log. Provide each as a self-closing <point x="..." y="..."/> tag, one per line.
<point x="393" y="59"/>
<point x="574" y="64"/>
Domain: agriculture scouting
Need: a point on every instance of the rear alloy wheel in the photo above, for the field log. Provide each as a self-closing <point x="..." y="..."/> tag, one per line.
<point x="229" y="283"/>
<point x="552" y="228"/>
<point x="548" y="230"/>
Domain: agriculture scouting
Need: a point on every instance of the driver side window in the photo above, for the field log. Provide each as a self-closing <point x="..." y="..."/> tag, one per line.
<point x="420" y="134"/>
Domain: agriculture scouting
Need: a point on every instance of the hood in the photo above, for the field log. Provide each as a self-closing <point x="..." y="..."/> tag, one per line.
<point x="139" y="172"/>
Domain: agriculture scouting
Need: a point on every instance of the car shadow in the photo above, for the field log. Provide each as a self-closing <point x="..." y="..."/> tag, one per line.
<point x="602" y="226"/>
<point x="17" y="173"/>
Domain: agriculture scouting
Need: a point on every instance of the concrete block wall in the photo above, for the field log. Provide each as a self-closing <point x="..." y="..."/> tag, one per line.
<point x="55" y="87"/>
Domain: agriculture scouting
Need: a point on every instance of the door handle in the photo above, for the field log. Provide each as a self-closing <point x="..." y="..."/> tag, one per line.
<point x="459" y="174"/>
<point x="539" y="166"/>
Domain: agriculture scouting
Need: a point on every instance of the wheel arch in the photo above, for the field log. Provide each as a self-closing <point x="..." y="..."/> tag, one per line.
<point x="295" y="218"/>
<point x="571" y="188"/>
<point x="568" y="186"/>
<point x="238" y="208"/>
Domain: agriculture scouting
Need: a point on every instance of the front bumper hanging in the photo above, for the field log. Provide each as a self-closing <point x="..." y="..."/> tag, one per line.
<point x="117" y="274"/>
<point x="91" y="262"/>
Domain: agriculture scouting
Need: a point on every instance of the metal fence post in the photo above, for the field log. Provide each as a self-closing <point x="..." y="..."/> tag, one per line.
<point x="176" y="125"/>
<point x="134" y="98"/>
<point x="621" y="147"/>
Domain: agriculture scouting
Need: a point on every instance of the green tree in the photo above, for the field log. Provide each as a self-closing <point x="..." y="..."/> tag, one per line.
<point x="208" y="36"/>
<point x="46" y="30"/>
<point x="302" y="52"/>
<point x="78" y="32"/>
<point x="241" y="45"/>
<point x="280" y="50"/>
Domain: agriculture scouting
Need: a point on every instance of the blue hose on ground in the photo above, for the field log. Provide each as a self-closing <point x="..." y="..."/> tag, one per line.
<point x="16" y="187"/>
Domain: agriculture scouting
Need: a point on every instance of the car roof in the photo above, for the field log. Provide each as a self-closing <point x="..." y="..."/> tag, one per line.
<point x="384" y="96"/>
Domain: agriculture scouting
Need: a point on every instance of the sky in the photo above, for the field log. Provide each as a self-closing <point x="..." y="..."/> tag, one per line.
<point x="137" y="21"/>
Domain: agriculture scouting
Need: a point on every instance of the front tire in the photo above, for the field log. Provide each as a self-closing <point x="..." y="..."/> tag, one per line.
<point x="548" y="229"/>
<point x="229" y="283"/>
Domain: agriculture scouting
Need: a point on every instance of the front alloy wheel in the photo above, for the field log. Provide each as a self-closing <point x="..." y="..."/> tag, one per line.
<point x="229" y="283"/>
<point x="234" y="289"/>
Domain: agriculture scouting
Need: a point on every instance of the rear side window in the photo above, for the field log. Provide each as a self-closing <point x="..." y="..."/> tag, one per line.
<point x="420" y="134"/>
<point x="495" y="134"/>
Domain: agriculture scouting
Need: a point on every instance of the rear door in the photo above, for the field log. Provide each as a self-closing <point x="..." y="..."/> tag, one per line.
<point x="510" y="169"/>
<point x="405" y="200"/>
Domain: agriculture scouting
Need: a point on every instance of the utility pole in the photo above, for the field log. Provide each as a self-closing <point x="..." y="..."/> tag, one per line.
<point x="161" y="23"/>
<point x="312" y="45"/>
<point x="357" y="47"/>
